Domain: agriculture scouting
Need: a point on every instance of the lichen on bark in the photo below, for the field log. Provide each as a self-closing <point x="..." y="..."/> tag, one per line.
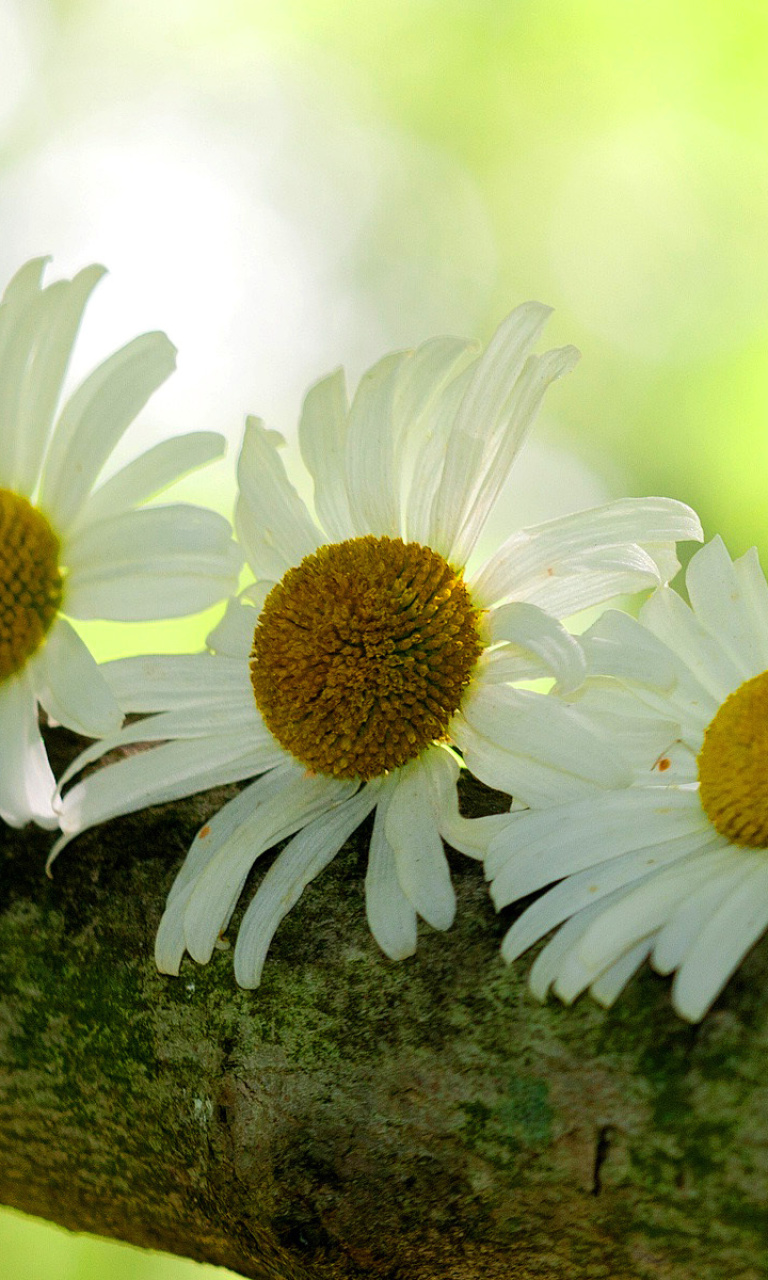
<point x="357" y="1118"/>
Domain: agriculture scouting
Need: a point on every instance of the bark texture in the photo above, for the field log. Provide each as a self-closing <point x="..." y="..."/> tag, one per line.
<point x="355" y="1118"/>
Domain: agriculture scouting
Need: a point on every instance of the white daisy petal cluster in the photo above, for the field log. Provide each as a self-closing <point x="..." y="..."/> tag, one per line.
<point x="370" y="647"/>
<point x="659" y="842"/>
<point x="72" y="547"/>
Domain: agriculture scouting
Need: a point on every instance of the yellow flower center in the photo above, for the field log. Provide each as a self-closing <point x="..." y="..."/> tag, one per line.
<point x="733" y="766"/>
<point x="30" y="580"/>
<point x="361" y="655"/>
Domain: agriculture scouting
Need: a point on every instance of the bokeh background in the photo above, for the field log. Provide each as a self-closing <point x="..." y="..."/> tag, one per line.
<point x="288" y="186"/>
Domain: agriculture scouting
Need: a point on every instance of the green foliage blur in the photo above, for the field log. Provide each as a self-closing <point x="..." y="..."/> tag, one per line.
<point x="381" y="171"/>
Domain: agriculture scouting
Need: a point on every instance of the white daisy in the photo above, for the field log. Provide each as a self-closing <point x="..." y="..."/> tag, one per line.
<point x="72" y="550"/>
<point x="669" y="862"/>
<point x="362" y="655"/>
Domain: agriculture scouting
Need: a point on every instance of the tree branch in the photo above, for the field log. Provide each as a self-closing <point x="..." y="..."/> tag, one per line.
<point x="356" y="1118"/>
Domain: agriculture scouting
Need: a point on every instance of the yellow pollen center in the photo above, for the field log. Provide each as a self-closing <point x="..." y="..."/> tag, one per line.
<point x="362" y="653"/>
<point x="733" y="766"/>
<point x="30" y="580"/>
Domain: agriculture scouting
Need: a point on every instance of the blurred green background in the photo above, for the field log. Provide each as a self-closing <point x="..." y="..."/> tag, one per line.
<point x="286" y="187"/>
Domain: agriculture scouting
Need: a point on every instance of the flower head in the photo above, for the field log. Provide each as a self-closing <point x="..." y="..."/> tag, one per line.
<point x="71" y="547"/>
<point x="668" y="860"/>
<point x="368" y="648"/>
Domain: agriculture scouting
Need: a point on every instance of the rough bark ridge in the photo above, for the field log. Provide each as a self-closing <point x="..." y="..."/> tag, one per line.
<point x="356" y="1118"/>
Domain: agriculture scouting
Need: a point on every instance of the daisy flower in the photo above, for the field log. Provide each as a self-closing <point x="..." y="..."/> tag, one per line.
<point x="667" y="861"/>
<point x="73" y="548"/>
<point x="365" y="652"/>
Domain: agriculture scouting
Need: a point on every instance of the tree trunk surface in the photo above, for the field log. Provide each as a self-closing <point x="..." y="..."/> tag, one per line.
<point x="355" y="1118"/>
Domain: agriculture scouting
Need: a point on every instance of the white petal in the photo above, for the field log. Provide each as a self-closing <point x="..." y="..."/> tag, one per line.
<point x="24" y="285"/>
<point x="538" y="847"/>
<point x="26" y="782"/>
<point x="723" y="942"/>
<point x="161" y="562"/>
<point x="218" y="887"/>
<point x="620" y="646"/>
<point x="671" y="619"/>
<point x="612" y="981"/>
<point x="152" y="472"/>
<point x="323" y="440"/>
<point x="70" y="686"/>
<point x="391" y="918"/>
<point x="518" y="416"/>
<point x="482" y="421"/>
<point x="532" y="630"/>
<point x="430" y="391"/>
<point x="754" y="589"/>
<point x="549" y="555"/>
<point x="306" y="855"/>
<point x="422" y="867"/>
<point x="217" y="830"/>
<point x="637" y="913"/>
<point x="156" y="776"/>
<point x="548" y="962"/>
<point x="272" y="522"/>
<point x="657" y="675"/>
<point x="232" y="637"/>
<point x="170" y="942"/>
<point x="161" y="681"/>
<point x="680" y="931"/>
<point x="719" y="604"/>
<point x="96" y="417"/>
<point x="649" y="742"/>
<point x="577" y="892"/>
<point x="546" y="730"/>
<point x="32" y="370"/>
<point x="469" y="835"/>
<point x="372" y="483"/>
<point x="216" y="717"/>
<point x="528" y="780"/>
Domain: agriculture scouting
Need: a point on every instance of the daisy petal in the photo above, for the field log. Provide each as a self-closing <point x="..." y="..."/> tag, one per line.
<point x="532" y="630"/>
<point x="545" y="730"/>
<point x="160" y="562"/>
<point x="161" y="681"/>
<point x="307" y="854"/>
<point x="323" y="441"/>
<point x="217" y="888"/>
<point x="637" y="913"/>
<point x="669" y="618"/>
<point x="374" y="500"/>
<point x="422" y="867"/>
<point x="612" y="981"/>
<point x="26" y="782"/>
<point x="272" y="522"/>
<point x="755" y="592"/>
<point x="391" y="918"/>
<point x="536" y="848"/>
<point x="579" y="891"/>
<point x="528" y="780"/>
<point x="548" y="962"/>
<point x="41" y="349"/>
<point x="680" y="931"/>
<point x="722" y="944"/>
<point x="476" y="428"/>
<point x="96" y="417"/>
<point x="717" y="600"/>
<point x="70" y="686"/>
<point x="165" y="773"/>
<point x="232" y="636"/>
<point x="539" y="559"/>
<point x="150" y="473"/>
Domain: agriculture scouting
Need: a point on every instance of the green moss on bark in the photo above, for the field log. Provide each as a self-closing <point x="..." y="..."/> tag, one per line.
<point x="357" y="1118"/>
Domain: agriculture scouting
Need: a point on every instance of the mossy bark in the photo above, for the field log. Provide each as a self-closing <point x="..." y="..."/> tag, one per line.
<point x="356" y="1118"/>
